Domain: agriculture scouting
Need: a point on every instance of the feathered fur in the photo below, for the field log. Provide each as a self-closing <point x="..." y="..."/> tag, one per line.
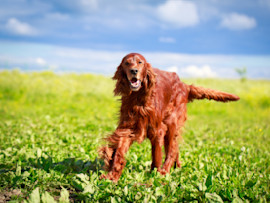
<point x="205" y="93"/>
<point x="156" y="110"/>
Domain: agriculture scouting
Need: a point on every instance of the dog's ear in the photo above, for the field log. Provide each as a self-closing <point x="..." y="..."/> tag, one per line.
<point x="150" y="78"/>
<point x="119" y="72"/>
<point x="121" y="81"/>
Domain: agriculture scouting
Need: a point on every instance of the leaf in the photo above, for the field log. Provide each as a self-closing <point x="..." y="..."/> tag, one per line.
<point x="83" y="177"/>
<point x="235" y="193"/>
<point x="157" y="183"/>
<point x="39" y="152"/>
<point x="224" y="174"/>
<point x="194" y="177"/>
<point x="202" y="187"/>
<point x="159" y="191"/>
<point x="138" y="196"/>
<point x="64" y="196"/>
<point x="126" y="190"/>
<point x="89" y="189"/>
<point x="78" y="185"/>
<point x="25" y="174"/>
<point x="19" y="169"/>
<point x="47" y="198"/>
<point x="173" y="186"/>
<point x="213" y="197"/>
<point x="159" y="199"/>
<point x="237" y="200"/>
<point x="209" y="180"/>
<point x="34" y="196"/>
<point x="135" y="157"/>
<point x="250" y="183"/>
<point x="113" y="200"/>
<point x="80" y="181"/>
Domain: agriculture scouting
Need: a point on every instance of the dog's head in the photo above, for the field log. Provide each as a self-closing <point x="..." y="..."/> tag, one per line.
<point x="133" y="74"/>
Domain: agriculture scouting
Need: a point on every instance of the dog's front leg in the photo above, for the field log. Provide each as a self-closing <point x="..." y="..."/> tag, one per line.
<point x="157" y="140"/>
<point x="118" y="162"/>
<point x="156" y="153"/>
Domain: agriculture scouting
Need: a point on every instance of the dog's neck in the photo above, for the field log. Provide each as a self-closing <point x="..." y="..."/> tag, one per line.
<point x="138" y="98"/>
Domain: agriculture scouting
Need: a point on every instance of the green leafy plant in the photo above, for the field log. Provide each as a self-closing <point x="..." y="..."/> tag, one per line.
<point x="51" y="127"/>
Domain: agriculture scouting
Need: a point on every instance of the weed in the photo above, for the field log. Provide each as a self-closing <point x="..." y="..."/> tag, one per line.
<point x="51" y="127"/>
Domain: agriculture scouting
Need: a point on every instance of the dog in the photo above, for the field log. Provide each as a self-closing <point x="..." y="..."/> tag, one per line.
<point x="153" y="106"/>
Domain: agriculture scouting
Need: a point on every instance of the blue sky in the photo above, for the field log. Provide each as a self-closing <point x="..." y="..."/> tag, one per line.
<point x="199" y="38"/>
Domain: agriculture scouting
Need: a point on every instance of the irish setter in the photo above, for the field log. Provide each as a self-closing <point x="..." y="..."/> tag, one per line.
<point x="154" y="105"/>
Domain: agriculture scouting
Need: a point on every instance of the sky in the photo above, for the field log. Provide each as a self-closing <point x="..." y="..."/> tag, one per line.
<point x="195" y="38"/>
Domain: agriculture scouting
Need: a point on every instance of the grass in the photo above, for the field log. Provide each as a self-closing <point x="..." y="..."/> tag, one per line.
<point x="51" y="127"/>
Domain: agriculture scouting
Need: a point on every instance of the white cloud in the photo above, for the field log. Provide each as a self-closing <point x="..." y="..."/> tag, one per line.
<point x="198" y="72"/>
<point x="56" y="16"/>
<point x="167" y="40"/>
<point x="20" y="28"/>
<point x="40" y="61"/>
<point x="178" y="13"/>
<point x="88" y="4"/>
<point x="235" y="21"/>
<point x="207" y="10"/>
<point x="172" y="69"/>
<point x="62" y="59"/>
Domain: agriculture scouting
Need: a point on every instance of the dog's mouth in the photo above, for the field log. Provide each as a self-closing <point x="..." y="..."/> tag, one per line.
<point x="135" y="84"/>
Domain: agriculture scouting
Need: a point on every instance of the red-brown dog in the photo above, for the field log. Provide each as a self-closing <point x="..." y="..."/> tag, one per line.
<point x="153" y="106"/>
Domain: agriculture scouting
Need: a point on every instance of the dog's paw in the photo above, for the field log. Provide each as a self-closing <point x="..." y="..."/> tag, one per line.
<point x="110" y="176"/>
<point x="162" y="171"/>
<point x="178" y="164"/>
<point x="103" y="176"/>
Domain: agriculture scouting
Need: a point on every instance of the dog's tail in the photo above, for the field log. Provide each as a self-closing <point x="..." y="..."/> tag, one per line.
<point x="205" y="93"/>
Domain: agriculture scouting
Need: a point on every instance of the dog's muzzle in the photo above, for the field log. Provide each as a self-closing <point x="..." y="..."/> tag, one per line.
<point x="135" y="84"/>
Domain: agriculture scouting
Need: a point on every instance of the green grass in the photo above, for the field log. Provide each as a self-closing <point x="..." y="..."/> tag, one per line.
<point x="52" y="125"/>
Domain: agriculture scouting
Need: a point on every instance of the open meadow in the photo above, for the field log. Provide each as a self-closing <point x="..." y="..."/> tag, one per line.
<point x="51" y="126"/>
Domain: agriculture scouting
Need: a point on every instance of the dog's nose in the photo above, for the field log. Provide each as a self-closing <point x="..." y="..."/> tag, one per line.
<point x="134" y="71"/>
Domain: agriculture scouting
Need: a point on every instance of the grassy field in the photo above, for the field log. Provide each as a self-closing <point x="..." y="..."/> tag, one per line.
<point x="52" y="125"/>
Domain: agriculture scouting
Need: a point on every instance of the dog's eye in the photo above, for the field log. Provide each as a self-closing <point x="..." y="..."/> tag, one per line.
<point x="140" y="62"/>
<point x="127" y="63"/>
